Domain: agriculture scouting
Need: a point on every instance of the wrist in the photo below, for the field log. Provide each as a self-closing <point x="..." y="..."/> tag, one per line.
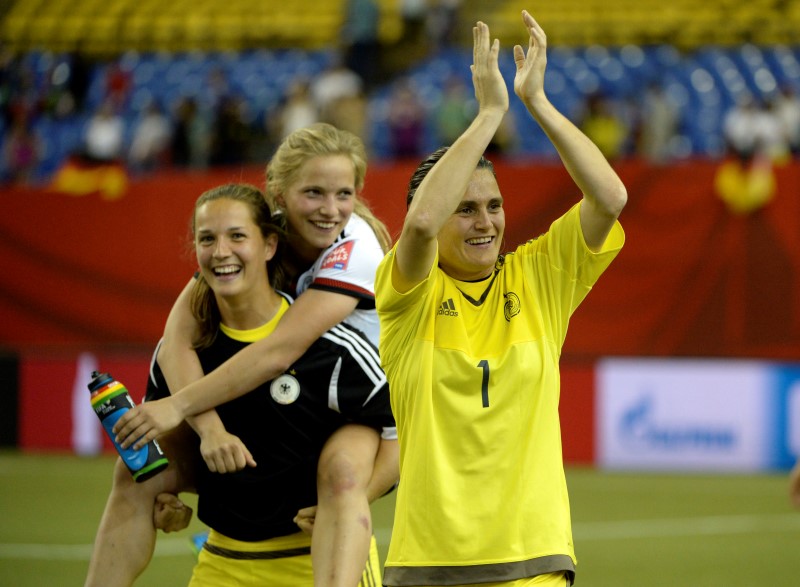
<point x="180" y="405"/>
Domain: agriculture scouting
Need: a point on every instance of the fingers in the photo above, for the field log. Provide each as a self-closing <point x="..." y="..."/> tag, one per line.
<point x="125" y="424"/>
<point x="170" y="500"/>
<point x="229" y="459"/>
<point x="132" y="427"/>
<point x="305" y="519"/>
<point x="534" y="28"/>
<point x="170" y="514"/>
<point x="138" y="436"/>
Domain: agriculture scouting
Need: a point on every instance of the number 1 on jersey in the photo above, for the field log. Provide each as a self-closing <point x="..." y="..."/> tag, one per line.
<point x="484" y="364"/>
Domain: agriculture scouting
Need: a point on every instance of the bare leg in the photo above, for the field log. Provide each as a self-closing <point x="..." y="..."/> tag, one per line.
<point x="343" y="525"/>
<point x="794" y="484"/>
<point x="126" y="536"/>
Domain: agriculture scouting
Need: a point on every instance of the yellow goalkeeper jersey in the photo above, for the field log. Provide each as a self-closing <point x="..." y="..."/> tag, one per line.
<point x="474" y="384"/>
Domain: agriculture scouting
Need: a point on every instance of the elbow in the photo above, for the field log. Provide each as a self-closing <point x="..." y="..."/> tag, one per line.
<point x="615" y="200"/>
<point x="420" y="226"/>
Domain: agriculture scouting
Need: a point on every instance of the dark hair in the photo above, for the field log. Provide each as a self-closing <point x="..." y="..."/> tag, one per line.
<point x="424" y="167"/>
<point x="203" y="303"/>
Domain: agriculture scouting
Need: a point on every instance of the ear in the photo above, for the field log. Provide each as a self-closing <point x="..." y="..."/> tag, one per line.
<point x="270" y="247"/>
<point x="279" y="199"/>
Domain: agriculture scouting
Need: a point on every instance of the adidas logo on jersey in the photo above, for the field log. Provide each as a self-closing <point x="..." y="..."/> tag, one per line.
<point x="448" y="308"/>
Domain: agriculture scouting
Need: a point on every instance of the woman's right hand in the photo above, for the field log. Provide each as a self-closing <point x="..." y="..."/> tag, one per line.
<point x="224" y="452"/>
<point x="147" y="421"/>
<point x="490" y="87"/>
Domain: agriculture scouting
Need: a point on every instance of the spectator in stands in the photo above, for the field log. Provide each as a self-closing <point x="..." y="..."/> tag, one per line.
<point x="104" y="139"/>
<point x="360" y="40"/>
<point x="604" y="127"/>
<point x="216" y="89"/>
<point x="413" y="13"/>
<point x="745" y="180"/>
<point x="191" y="139"/>
<point x="231" y="134"/>
<point x="20" y="96"/>
<point x="659" y="117"/>
<point x="21" y="153"/>
<point x="787" y="109"/>
<point x="56" y="99"/>
<point x="118" y="86"/>
<point x="297" y="111"/>
<point x="506" y="140"/>
<point x="151" y="139"/>
<point x="339" y="95"/>
<point x="78" y="79"/>
<point x="335" y="83"/>
<point x="407" y="120"/>
<point x="750" y="130"/>
<point x="442" y="23"/>
<point x="454" y="112"/>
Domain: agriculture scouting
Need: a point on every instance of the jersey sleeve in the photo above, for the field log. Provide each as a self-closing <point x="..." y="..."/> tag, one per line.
<point x="562" y="269"/>
<point x="349" y="268"/>
<point x="361" y="393"/>
<point x="157" y="387"/>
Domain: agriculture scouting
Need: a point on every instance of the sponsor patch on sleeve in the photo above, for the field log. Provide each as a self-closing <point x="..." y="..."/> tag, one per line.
<point x="339" y="257"/>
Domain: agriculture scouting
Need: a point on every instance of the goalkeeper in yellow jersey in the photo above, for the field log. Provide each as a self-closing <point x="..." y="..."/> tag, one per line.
<point x="471" y="340"/>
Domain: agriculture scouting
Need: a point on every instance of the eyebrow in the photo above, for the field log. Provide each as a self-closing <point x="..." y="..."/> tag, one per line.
<point x="208" y="230"/>
<point x="475" y="202"/>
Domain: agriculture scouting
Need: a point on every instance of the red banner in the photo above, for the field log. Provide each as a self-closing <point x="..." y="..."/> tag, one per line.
<point x="694" y="278"/>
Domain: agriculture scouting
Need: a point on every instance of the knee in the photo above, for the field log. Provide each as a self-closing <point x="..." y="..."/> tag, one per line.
<point x="339" y="474"/>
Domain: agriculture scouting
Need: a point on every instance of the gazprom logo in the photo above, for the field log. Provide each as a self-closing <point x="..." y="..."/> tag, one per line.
<point x="639" y="429"/>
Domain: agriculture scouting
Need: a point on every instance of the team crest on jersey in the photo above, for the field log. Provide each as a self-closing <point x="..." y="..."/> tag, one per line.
<point x="512" y="306"/>
<point x="285" y="389"/>
<point x="339" y="257"/>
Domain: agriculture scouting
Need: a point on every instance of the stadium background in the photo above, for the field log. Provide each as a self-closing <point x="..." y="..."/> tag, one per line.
<point x="90" y="273"/>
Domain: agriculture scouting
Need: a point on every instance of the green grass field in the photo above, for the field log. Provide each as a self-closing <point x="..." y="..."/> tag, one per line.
<point x="630" y="529"/>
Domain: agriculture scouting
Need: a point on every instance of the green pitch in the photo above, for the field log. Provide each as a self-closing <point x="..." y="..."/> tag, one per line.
<point x="630" y="529"/>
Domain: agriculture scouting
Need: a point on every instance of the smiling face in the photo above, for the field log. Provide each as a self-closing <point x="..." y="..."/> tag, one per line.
<point x="231" y="251"/>
<point x="469" y="242"/>
<point x="319" y="203"/>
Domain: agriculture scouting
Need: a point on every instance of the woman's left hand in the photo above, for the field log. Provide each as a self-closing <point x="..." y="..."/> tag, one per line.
<point x="529" y="79"/>
<point x="305" y="519"/>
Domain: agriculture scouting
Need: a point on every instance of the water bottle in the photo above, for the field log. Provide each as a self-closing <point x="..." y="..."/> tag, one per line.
<point x="110" y="399"/>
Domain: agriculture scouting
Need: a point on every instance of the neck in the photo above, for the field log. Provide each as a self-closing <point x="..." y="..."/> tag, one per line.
<point x="251" y="311"/>
<point x="299" y="255"/>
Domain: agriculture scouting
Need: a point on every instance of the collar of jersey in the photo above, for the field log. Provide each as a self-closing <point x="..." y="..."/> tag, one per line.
<point x="260" y="332"/>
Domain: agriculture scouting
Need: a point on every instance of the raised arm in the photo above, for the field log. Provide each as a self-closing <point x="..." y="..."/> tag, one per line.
<point x="442" y="189"/>
<point x="604" y="194"/>
<point x="310" y="315"/>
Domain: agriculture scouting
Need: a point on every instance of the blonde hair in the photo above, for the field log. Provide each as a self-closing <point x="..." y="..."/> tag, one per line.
<point x="318" y="140"/>
<point x="203" y="302"/>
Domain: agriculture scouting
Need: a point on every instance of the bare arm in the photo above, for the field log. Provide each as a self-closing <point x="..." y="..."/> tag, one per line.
<point x="443" y="188"/>
<point x="604" y="194"/>
<point x="223" y="452"/>
<point x="386" y="471"/>
<point x="312" y="314"/>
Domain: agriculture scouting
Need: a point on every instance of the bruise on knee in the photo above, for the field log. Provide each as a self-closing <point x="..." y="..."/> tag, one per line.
<point x="338" y="474"/>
